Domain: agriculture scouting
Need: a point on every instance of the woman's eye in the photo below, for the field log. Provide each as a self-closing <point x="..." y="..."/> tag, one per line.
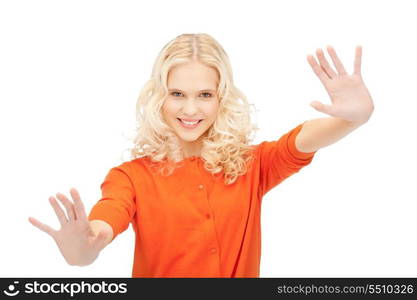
<point x="207" y="95"/>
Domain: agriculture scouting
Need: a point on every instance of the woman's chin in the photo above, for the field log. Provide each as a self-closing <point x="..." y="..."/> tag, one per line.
<point x="189" y="137"/>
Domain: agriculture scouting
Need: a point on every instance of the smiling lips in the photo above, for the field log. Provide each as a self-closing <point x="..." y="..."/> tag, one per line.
<point x="189" y="123"/>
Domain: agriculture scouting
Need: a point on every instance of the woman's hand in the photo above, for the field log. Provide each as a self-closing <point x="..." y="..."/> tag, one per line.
<point x="350" y="98"/>
<point x="76" y="240"/>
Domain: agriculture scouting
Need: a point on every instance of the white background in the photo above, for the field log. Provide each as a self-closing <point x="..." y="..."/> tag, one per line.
<point x="70" y="75"/>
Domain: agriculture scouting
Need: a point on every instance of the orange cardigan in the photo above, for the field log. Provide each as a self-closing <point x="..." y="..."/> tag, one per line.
<point x="191" y="224"/>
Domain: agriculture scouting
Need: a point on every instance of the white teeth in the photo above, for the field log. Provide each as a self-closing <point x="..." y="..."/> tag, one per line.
<point x="189" y="123"/>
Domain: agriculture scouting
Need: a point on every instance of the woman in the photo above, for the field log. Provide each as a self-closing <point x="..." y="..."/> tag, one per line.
<point x="194" y="186"/>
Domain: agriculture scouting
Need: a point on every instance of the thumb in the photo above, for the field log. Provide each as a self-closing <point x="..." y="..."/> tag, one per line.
<point x="327" y="109"/>
<point x="99" y="240"/>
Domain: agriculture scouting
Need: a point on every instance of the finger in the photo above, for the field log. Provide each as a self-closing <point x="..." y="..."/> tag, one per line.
<point x="78" y="205"/>
<point x="327" y="109"/>
<point x="99" y="241"/>
<point x="324" y="64"/>
<point x="68" y="205"/>
<point x="358" y="60"/>
<point x="45" y="228"/>
<point x="58" y="211"/>
<point x="336" y="61"/>
<point x="317" y="69"/>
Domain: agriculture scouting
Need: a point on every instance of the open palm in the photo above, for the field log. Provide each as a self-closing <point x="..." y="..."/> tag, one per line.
<point x="350" y="98"/>
<point x="76" y="239"/>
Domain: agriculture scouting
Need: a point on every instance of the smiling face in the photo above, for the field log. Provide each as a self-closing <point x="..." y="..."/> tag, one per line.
<point x="192" y="97"/>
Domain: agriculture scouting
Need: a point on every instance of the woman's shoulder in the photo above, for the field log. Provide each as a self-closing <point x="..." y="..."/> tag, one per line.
<point x="131" y="166"/>
<point x="136" y="163"/>
<point x="137" y="170"/>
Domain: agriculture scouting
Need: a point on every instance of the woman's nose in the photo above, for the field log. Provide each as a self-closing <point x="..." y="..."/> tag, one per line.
<point x="190" y="107"/>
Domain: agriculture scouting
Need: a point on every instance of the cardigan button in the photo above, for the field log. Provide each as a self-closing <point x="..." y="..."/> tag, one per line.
<point x="201" y="186"/>
<point x="213" y="250"/>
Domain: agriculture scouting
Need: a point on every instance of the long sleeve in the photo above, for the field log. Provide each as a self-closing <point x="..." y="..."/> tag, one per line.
<point x="117" y="205"/>
<point x="280" y="159"/>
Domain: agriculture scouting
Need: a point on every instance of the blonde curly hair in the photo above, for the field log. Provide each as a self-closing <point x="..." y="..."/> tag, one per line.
<point x="226" y="146"/>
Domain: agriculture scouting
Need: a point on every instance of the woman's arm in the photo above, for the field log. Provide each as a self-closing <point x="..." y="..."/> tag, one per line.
<point x="319" y="133"/>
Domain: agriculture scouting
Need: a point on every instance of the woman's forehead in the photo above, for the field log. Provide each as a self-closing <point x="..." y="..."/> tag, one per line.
<point x="192" y="77"/>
